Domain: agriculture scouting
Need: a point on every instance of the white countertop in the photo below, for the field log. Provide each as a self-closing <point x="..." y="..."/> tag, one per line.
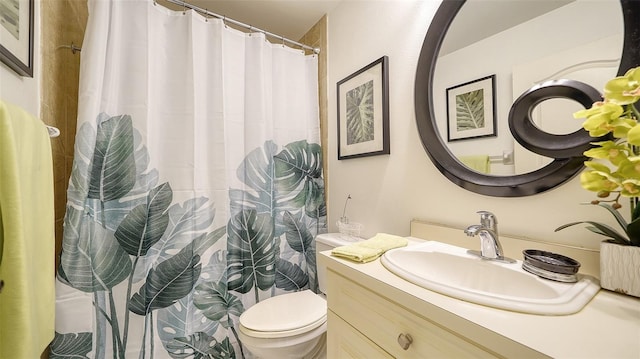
<point x="608" y="326"/>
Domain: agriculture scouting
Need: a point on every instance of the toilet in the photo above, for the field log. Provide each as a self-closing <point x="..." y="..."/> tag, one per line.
<point x="291" y="325"/>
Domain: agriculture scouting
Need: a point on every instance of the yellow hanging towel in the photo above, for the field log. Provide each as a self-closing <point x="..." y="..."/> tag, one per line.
<point x="27" y="300"/>
<point x="370" y="249"/>
<point x="479" y="163"/>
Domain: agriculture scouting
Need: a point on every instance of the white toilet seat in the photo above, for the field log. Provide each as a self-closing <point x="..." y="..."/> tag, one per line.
<point x="285" y="315"/>
<point x="283" y="333"/>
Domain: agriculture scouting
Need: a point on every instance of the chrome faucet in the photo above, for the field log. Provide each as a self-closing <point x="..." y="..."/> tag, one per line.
<point x="487" y="230"/>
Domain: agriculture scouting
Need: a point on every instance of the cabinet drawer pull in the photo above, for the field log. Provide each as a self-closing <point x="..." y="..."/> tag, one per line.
<point x="405" y="340"/>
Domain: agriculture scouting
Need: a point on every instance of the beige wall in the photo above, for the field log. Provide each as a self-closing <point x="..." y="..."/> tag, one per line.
<point x="63" y="23"/>
<point x="389" y="190"/>
<point x="24" y="91"/>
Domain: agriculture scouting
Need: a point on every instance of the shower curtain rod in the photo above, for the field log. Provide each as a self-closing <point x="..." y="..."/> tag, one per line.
<point x="241" y="24"/>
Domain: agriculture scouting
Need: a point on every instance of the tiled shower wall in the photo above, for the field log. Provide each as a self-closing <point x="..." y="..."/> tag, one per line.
<point x="63" y="24"/>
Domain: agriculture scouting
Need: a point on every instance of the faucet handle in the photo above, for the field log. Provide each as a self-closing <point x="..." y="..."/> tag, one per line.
<point x="488" y="219"/>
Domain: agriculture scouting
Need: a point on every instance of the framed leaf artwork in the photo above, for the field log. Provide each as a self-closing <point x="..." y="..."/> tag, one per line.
<point x="471" y="109"/>
<point x="16" y="35"/>
<point x="363" y="112"/>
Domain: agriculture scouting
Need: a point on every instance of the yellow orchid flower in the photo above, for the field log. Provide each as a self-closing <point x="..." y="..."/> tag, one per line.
<point x="612" y="151"/>
<point x="602" y="118"/>
<point x="623" y="90"/>
<point x="630" y="188"/>
<point x="599" y="180"/>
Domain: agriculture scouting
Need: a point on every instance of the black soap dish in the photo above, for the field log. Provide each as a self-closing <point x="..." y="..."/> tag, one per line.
<point x="550" y="265"/>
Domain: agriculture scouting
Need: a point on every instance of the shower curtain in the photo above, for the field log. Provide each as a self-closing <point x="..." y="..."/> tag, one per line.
<point x="196" y="188"/>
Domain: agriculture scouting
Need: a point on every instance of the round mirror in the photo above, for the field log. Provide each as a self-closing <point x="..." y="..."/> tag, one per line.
<point x="496" y="87"/>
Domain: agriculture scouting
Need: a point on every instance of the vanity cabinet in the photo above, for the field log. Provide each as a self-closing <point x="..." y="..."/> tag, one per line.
<point x="364" y="324"/>
<point x="370" y="308"/>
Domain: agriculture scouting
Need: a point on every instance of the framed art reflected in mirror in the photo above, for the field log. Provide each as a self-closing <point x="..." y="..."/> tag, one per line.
<point x="16" y="35"/>
<point x="363" y="112"/>
<point x="471" y="109"/>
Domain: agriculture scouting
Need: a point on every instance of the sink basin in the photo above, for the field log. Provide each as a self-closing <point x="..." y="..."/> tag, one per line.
<point x="452" y="271"/>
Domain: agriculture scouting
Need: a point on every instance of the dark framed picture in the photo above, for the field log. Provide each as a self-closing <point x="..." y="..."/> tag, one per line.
<point x="363" y="112"/>
<point x="471" y="109"/>
<point x="16" y="35"/>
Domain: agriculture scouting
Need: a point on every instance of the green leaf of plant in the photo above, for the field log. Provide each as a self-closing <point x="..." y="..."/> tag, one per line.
<point x="224" y="349"/>
<point x="79" y="181"/>
<point x="217" y="303"/>
<point x="187" y="223"/>
<point x="315" y="205"/>
<point x="359" y="114"/>
<point x="599" y="228"/>
<point x="298" y="176"/>
<point x="109" y="213"/>
<point x="256" y="172"/>
<point x="290" y="276"/>
<point x="182" y="320"/>
<point x="167" y="283"/>
<point x="146" y="223"/>
<point x="113" y="168"/>
<point x="633" y="231"/>
<point x="71" y="345"/>
<point x="297" y="162"/>
<point x="299" y="237"/>
<point x="250" y="251"/>
<point x="619" y="218"/>
<point x="197" y="346"/>
<point x="470" y="110"/>
<point x="91" y="259"/>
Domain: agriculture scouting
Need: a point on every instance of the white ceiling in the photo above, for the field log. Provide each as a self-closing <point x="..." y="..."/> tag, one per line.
<point x="478" y="20"/>
<point x="288" y="18"/>
<point x="293" y="18"/>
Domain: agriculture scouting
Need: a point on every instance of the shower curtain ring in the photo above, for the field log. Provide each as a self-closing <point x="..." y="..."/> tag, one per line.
<point x="206" y="12"/>
<point x="184" y="8"/>
<point x="282" y="37"/>
<point x="224" y="20"/>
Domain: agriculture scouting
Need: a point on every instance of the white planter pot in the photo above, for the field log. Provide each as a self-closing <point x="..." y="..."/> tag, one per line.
<point x="620" y="268"/>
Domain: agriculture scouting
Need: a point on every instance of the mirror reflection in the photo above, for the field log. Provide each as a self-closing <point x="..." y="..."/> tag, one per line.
<point x="519" y="44"/>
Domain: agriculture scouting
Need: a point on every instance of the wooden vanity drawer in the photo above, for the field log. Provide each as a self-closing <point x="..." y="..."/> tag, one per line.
<point x="345" y="342"/>
<point x="382" y="321"/>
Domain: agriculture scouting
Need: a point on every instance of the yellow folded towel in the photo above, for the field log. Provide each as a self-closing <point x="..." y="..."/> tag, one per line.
<point x="370" y="249"/>
<point x="479" y="163"/>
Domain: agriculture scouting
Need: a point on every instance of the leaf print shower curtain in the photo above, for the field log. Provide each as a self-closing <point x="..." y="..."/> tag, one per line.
<point x="196" y="188"/>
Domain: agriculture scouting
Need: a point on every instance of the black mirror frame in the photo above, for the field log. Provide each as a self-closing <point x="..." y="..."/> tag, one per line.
<point x="560" y="170"/>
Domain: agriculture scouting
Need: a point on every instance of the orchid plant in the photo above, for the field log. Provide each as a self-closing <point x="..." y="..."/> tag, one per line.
<point x="616" y="174"/>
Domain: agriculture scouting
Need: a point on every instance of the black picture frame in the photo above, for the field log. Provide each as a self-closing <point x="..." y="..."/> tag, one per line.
<point x="363" y="111"/>
<point x="471" y="109"/>
<point x="16" y="37"/>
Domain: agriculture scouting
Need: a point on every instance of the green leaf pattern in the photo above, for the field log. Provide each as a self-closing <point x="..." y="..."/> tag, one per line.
<point x="359" y="114"/>
<point x="120" y="223"/>
<point x="470" y="110"/>
<point x="71" y="346"/>
<point x="113" y="166"/>
<point x="166" y="284"/>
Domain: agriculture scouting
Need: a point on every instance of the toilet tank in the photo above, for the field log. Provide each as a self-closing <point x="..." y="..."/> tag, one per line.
<point x="325" y="242"/>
